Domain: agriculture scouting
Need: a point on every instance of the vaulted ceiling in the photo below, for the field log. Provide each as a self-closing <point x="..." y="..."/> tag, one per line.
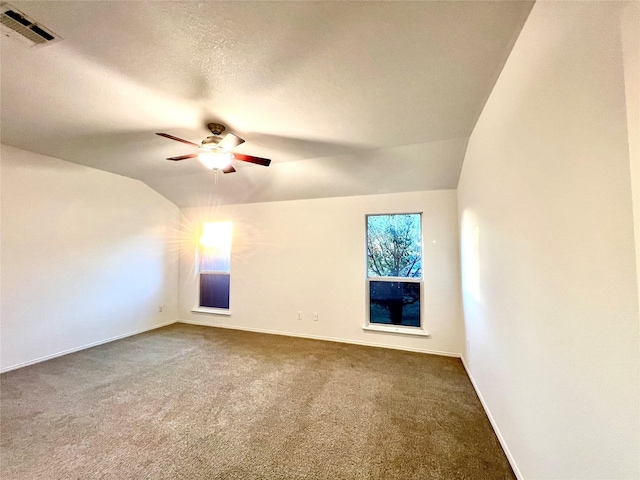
<point x="346" y="98"/>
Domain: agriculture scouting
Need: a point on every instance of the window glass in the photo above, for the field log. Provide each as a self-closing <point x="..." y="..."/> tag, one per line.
<point x="214" y="290"/>
<point x="394" y="303"/>
<point x="394" y="245"/>
<point x="215" y="260"/>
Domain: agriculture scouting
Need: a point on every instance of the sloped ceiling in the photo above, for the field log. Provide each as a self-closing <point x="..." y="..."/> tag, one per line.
<point x="346" y="98"/>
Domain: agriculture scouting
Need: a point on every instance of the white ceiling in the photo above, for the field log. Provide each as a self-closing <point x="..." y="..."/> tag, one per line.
<point x="346" y="98"/>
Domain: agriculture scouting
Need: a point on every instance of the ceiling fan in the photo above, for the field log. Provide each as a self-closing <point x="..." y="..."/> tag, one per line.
<point x="215" y="151"/>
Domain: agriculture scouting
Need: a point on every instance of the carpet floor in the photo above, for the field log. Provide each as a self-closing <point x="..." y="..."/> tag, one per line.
<point x="189" y="402"/>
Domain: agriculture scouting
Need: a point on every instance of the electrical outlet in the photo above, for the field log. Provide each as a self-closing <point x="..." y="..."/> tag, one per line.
<point x="299" y="315"/>
<point x="315" y="317"/>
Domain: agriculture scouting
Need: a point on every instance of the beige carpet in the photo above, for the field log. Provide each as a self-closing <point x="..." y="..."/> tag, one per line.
<point x="188" y="402"/>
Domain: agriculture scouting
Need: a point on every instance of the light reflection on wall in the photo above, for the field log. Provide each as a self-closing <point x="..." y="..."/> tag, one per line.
<point x="470" y="253"/>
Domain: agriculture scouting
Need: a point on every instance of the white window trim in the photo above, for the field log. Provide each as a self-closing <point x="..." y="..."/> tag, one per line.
<point x="379" y="327"/>
<point x="395" y="279"/>
<point x="211" y="311"/>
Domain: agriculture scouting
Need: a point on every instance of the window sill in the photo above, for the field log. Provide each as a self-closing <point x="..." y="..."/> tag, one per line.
<point x="211" y="311"/>
<point x="401" y="330"/>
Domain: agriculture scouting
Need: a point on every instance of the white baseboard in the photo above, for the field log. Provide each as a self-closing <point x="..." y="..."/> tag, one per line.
<point x="501" y="439"/>
<point x="320" y="337"/>
<point x="84" y="347"/>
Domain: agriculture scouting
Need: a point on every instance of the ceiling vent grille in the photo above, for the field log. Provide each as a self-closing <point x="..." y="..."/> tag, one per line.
<point x="17" y="25"/>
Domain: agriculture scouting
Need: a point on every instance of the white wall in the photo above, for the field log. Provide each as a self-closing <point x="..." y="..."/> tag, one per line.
<point x="308" y="255"/>
<point x="86" y="256"/>
<point x="631" y="58"/>
<point x="547" y="242"/>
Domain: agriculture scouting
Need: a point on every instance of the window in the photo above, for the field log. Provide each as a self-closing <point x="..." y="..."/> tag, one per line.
<point x="394" y="272"/>
<point x="214" y="265"/>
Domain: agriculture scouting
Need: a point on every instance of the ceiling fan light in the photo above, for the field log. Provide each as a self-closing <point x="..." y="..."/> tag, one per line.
<point x="215" y="160"/>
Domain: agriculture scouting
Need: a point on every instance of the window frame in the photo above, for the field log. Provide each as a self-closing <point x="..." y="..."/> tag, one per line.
<point x="199" y="272"/>
<point x="389" y="328"/>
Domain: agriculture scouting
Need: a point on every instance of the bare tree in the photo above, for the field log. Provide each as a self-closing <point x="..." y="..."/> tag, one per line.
<point x="393" y="246"/>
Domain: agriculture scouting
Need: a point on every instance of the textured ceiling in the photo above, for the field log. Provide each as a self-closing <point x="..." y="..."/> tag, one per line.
<point x="347" y="98"/>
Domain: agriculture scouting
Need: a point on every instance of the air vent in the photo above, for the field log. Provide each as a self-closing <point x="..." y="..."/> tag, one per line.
<point x="17" y="25"/>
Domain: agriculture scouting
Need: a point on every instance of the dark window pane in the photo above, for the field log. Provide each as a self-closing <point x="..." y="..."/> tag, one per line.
<point x="214" y="290"/>
<point x="394" y="303"/>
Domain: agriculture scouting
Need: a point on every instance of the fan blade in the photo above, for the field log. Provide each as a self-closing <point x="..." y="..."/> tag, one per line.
<point x="230" y="141"/>
<point x="183" y="157"/>
<point x="248" y="158"/>
<point x="171" y="137"/>
<point x="229" y="169"/>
